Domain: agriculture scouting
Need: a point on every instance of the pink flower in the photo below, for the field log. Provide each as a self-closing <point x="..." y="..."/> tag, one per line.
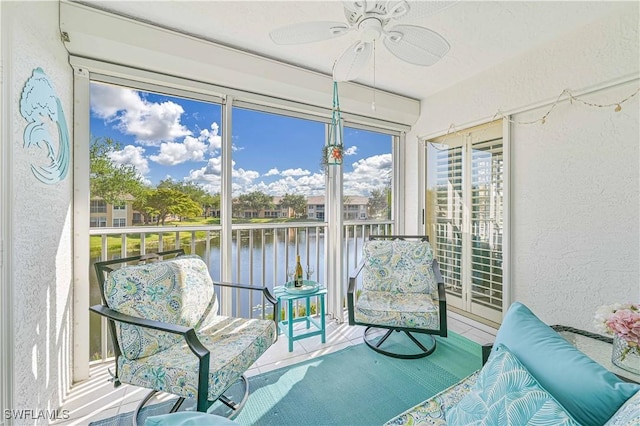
<point x="626" y="324"/>
<point x="622" y="320"/>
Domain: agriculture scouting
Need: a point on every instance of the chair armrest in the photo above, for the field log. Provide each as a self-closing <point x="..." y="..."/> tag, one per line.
<point x="264" y="290"/>
<point x="442" y="296"/>
<point x="351" y="291"/>
<point x="187" y="332"/>
<point x="354" y="274"/>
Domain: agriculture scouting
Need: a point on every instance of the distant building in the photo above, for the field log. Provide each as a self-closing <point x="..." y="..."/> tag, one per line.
<point x="315" y="208"/>
<point x="354" y="208"/>
<point x="120" y="215"/>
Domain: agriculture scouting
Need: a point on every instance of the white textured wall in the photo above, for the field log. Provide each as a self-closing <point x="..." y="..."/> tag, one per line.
<point x="41" y="248"/>
<point x="575" y="180"/>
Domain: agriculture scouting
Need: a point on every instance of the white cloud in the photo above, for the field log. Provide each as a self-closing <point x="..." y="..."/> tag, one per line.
<point x="295" y="172"/>
<point x="132" y="155"/>
<point x="312" y="184"/>
<point x="190" y="149"/>
<point x="172" y="153"/>
<point x="149" y="122"/>
<point x="368" y="174"/>
<point x="272" y="172"/>
<point x="244" y="177"/>
<point x="352" y="150"/>
<point x="208" y="176"/>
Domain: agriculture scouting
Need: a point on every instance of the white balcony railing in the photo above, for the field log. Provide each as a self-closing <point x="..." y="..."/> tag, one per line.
<point x="261" y="255"/>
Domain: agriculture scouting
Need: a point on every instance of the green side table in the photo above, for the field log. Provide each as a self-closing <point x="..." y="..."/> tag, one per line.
<point x="289" y="297"/>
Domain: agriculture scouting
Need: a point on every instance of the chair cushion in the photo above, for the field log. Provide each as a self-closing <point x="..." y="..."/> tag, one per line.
<point x="432" y="411"/>
<point x="397" y="310"/>
<point x="506" y="394"/>
<point x="177" y="291"/>
<point x="588" y="391"/>
<point x="398" y="266"/>
<point x="235" y="344"/>
<point x="628" y="414"/>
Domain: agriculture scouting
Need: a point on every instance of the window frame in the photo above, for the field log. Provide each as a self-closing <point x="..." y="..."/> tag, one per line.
<point x="87" y="71"/>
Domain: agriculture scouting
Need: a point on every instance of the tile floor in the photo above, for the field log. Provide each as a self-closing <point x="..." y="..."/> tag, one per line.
<point x="96" y="398"/>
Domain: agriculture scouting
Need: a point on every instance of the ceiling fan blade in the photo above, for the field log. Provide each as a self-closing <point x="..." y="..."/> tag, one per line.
<point x="402" y="9"/>
<point x="308" y="32"/>
<point x="355" y="6"/>
<point x="416" y="45"/>
<point x="352" y="61"/>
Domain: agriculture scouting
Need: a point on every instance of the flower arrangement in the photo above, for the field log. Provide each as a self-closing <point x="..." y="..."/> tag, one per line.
<point x="621" y="321"/>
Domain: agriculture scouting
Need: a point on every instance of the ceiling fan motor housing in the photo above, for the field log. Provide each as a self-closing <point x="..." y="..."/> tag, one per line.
<point x="370" y="29"/>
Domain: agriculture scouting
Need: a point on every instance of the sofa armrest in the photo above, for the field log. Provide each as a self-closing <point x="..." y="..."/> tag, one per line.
<point x="486" y="351"/>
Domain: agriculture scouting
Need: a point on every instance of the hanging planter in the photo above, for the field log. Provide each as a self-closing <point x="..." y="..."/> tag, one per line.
<point x="332" y="152"/>
<point x="332" y="155"/>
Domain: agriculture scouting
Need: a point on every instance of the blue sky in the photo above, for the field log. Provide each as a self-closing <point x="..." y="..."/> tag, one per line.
<point x="164" y="136"/>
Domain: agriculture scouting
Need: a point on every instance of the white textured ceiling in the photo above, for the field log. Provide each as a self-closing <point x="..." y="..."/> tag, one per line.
<point x="481" y="33"/>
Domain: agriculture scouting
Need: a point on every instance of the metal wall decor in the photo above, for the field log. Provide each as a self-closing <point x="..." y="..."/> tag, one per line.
<point x="41" y="107"/>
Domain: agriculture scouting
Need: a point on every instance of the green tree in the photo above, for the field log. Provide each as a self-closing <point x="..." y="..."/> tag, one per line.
<point x="378" y="206"/>
<point x="211" y="202"/>
<point x="110" y="181"/>
<point x="167" y="202"/>
<point x="141" y="204"/>
<point x="196" y="192"/>
<point x="253" y="201"/>
<point x="298" y="203"/>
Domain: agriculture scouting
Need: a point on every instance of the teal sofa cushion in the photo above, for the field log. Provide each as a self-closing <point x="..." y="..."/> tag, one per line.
<point x="588" y="391"/>
<point x="506" y="394"/>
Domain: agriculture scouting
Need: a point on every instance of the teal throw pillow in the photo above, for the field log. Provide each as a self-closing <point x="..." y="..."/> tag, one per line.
<point x="587" y="390"/>
<point x="506" y="394"/>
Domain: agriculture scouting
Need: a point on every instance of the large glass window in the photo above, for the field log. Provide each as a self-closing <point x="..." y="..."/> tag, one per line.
<point x="156" y="161"/>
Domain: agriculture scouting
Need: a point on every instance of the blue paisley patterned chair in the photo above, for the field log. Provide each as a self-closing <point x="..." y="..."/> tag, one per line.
<point x="402" y="290"/>
<point x="167" y="335"/>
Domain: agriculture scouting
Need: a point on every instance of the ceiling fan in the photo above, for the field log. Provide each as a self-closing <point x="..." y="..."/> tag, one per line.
<point x="373" y="20"/>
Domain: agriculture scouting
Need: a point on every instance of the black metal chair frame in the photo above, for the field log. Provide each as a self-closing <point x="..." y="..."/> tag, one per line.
<point x="371" y="328"/>
<point x="188" y="333"/>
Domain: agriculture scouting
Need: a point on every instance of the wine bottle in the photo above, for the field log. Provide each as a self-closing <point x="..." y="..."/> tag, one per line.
<point x="297" y="279"/>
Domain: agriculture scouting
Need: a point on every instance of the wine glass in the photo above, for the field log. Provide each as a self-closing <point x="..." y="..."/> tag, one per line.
<point x="309" y="270"/>
<point x="291" y="274"/>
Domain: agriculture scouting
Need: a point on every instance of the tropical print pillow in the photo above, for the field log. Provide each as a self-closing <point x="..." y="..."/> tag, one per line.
<point x="628" y="414"/>
<point x="506" y="394"/>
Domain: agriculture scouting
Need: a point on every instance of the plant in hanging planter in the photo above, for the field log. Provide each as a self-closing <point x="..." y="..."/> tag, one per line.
<point x="331" y="155"/>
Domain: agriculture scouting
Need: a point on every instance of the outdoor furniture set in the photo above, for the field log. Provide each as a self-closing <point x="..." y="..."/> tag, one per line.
<point x="168" y="336"/>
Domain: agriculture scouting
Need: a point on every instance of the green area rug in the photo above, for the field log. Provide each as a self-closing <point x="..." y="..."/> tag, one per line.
<point x="353" y="386"/>
<point x="356" y="386"/>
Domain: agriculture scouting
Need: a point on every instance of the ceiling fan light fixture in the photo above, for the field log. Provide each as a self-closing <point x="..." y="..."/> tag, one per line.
<point x="370" y="29"/>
